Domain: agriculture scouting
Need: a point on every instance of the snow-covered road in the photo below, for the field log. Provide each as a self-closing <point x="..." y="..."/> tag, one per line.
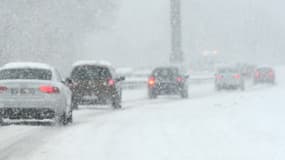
<point x="227" y="125"/>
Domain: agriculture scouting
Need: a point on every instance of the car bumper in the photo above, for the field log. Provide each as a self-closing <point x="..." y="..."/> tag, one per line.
<point x="167" y="89"/>
<point x="265" y="79"/>
<point x="36" y="109"/>
<point x="229" y="84"/>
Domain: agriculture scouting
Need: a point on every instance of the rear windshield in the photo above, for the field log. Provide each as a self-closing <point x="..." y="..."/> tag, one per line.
<point x="264" y="70"/>
<point x="26" y="73"/>
<point x="165" y="72"/>
<point x="228" y="70"/>
<point x="90" y="73"/>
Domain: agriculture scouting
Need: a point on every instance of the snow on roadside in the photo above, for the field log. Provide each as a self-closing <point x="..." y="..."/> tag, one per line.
<point x="228" y="125"/>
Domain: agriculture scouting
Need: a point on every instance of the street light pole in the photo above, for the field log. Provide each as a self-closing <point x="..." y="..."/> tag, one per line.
<point x="176" y="56"/>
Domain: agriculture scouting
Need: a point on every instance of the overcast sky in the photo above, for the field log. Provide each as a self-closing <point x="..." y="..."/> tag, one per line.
<point x="244" y="30"/>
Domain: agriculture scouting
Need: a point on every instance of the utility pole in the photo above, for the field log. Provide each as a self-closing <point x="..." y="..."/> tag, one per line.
<point x="176" y="56"/>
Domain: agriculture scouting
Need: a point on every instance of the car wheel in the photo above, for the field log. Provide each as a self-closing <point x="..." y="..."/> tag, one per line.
<point x="116" y="105"/>
<point x="74" y="105"/>
<point x="1" y="121"/>
<point x="116" y="102"/>
<point x="70" y="118"/>
<point x="184" y="94"/>
<point x="218" y="88"/>
<point x="242" y="87"/>
<point x="152" y="95"/>
<point x="61" y="120"/>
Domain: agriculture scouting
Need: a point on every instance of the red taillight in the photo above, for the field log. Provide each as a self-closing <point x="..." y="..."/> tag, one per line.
<point x="3" y="89"/>
<point x="237" y="76"/>
<point x="271" y="73"/>
<point x="111" y="82"/>
<point x="219" y="77"/>
<point x="151" y="81"/>
<point x="179" y="79"/>
<point x="49" y="89"/>
<point x="257" y="74"/>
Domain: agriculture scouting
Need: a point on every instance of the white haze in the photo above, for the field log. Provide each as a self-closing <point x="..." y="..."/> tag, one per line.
<point x="137" y="32"/>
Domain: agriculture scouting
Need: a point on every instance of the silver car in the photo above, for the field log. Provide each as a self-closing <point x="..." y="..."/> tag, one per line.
<point x="33" y="91"/>
<point x="228" y="78"/>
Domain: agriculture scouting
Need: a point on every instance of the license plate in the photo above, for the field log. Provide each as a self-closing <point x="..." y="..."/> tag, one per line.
<point x="27" y="91"/>
<point x="90" y="97"/>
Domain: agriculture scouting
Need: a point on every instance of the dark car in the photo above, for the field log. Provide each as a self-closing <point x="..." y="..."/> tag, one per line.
<point x="167" y="81"/>
<point x="264" y="75"/>
<point x="95" y="83"/>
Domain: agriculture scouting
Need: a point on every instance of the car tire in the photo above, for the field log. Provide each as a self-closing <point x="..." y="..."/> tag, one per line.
<point x="152" y="95"/>
<point x="61" y="120"/>
<point x="218" y="88"/>
<point x="74" y="105"/>
<point x="255" y="82"/>
<point x="184" y="94"/>
<point x="116" y="102"/>
<point x="117" y="106"/>
<point x="70" y="118"/>
<point x="242" y="87"/>
<point x="1" y="121"/>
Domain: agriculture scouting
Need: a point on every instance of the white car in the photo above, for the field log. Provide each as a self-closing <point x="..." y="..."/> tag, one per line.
<point x="33" y="91"/>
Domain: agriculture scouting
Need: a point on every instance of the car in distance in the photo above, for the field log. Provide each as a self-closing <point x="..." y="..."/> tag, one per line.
<point x="264" y="75"/>
<point x="167" y="81"/>
<point x="33" y="91"/>
<point x="95" y="83"/>
<point x="229" y="78"/>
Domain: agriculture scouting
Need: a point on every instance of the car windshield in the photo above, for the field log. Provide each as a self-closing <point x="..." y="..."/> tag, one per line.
<point x="165" y="72"/>
<point x="25" y="73"/>
<point x="264" y="70"/>
<point x="90" y="72"/>
<point x="227" y="70"/>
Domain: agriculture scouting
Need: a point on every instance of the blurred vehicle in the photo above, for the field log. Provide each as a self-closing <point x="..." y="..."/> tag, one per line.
<point x="264" y="75"/>
<point x="246" y="70"/>
<point x="167" y="81"/>
<point x="228" y="78"/>
<point x="34" y="91"/>
<point x="95" y="83"/>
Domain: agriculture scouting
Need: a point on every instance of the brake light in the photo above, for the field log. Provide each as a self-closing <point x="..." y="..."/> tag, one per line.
<point x="271" y="73"/>
<point x="49" y="89"/>
<point x="257" y="74"/>
<point x="3" y="89"/>
<point x="219" y="77"/>
<point x="179" y="79"/>
<point x="151" y="81"/>
<point x="111" y="82"/>
<point x="237" y="76"/>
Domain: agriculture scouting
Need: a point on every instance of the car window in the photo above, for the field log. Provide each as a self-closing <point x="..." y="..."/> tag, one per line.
<point x="165" y="72"/>
<point x="228" y="70"/>
<point x="264" y="70"/>
<point x="90" y="73"/>
<point x="26" y="73"/>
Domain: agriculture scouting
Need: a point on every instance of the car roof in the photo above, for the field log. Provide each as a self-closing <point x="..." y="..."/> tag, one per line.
<point x="35" y="65"/>
<point x="264" y="67"/>
<point x="166" y="67"/>
<point x="91" y="62"/>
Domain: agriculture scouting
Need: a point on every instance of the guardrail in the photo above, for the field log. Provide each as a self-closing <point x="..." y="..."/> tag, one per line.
<point x="142" y="82"/>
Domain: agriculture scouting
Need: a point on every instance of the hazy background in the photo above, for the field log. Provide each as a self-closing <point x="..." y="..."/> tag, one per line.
<point x="136" y="32"/>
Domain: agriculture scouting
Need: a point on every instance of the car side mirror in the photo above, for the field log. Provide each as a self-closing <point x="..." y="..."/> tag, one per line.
<point x="68" y="81"/>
